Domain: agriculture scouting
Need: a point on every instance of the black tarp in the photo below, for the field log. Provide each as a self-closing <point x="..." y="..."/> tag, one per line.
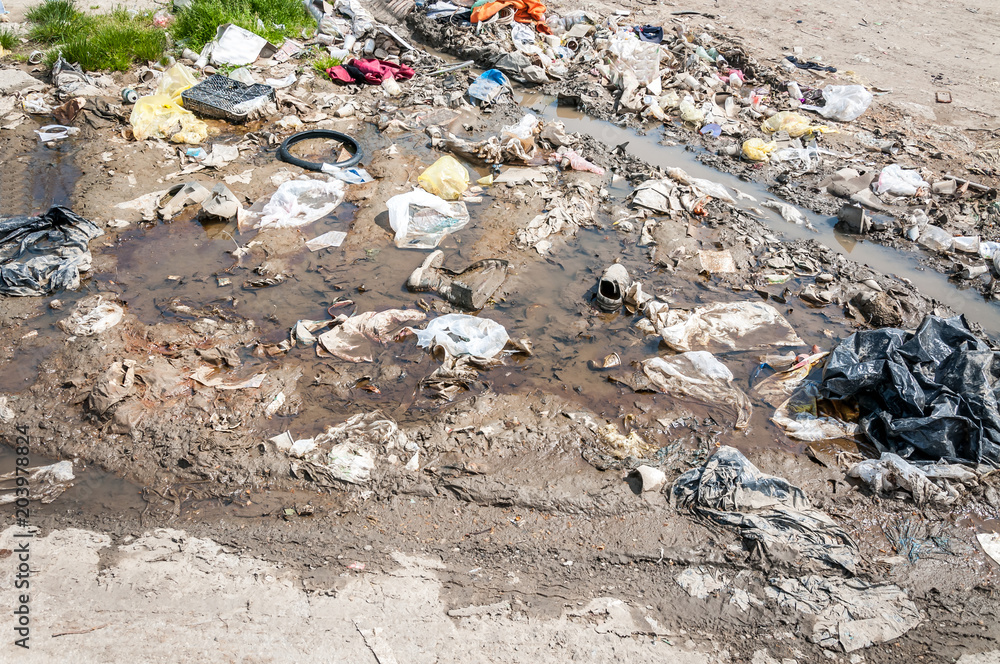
<point x="44" y="254"/>
<point x="930" y="394"/>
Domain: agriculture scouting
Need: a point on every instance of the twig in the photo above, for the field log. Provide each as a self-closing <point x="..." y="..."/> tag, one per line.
<point x="82" y="631"/>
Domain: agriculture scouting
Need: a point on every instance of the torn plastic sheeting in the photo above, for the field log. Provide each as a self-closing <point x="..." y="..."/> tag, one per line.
<point x="788" y="212"/>
<point x="92" y="315"/>
<point x="44" y="254"/>
<point x="808" y="427"/>
<point x="210" y="377"/>
<point x="657" y="195"/>
<point x="300" y="202"/>
<point x="460" y="334"/>
<point x="47" y="482"/>
<point x="115" y="384"/>
<point x="777" y="387"/>
<point x="772" y="515"/>
<point x="700" y="376"/>
<point x="928" y="395"/>
<point x="56" y="132"/>
<point x="421" y="219"/>
<point x="701" y="187"/>
<point x="698" y="583"/>
<point x="232" y="46"/>
<point x="991" y="545"/>
<point x="891" y="473"/>
<point x="490" y="85"/>
<point x="347" y="452"/>
<point x="326" y="240"/>
<point x="727" y="326"/>
<point x="844" y="103"/>
<point x="355" y="338"/>
<point x="850" y="613"/>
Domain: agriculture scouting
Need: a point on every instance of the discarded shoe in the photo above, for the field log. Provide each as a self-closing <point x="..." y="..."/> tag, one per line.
<point x="222" y="203"/>
<point x="470" y="289"/>
<point x="611" y="288"/>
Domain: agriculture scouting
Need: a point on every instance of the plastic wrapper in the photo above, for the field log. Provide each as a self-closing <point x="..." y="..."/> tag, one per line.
<point x="490" y="84"/>
<point x="421" y="219"/>
<point x="844" y="103"/>
<point x="446" y="177"/>
<point x="935" y="238"/>
<point x="698" y="375"/>
<point x="755" y="149"/>
<point x="301" y="202"/>
<point x="460" y="334"/>
<point x="727" y="326"/>
<point x="795" y="124"/>
<point x="895" y="180"/>
<point x="929" y="394"/>
<point x="162" y="114"/>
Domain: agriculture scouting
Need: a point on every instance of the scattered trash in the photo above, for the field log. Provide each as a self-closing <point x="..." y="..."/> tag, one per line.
<point x="611" y="288"/>
<point x="191" y="193"/>
<point x="222" y="203"/>
<point x="459" y="334"/>
<point x="371" y="72"/>
<point x="470" y="289"/>
<point x="929" y="483"/>
<point x="898" y="182"/>
<point x="92" y="315"/>
<point x="843" y="103"/>
<point x="300" y="202"/>
<point x="991" y="545"/>
<point x="45" y="254"/>
<point x="489" y="86"/>
<point x="223" y="97"/>
<point x="47" y="483"/>
<point x="349" y="144"/>
<point x="50" y="133"/>
<point x="446" y="178"/>
<point x="726" y="326"/>
<point x="233" y="46"/>
<point x="162" y="114"/>
<point x="773" y="517"/>
<point x="347" y="452"/>
<point x="326" y="240"/>
<point x="355" y="338"/>
<point x="923" y="395"/>
<point x="699" y="584"/>
<point x="653" y="479"/>
<point x="421" y="219"/>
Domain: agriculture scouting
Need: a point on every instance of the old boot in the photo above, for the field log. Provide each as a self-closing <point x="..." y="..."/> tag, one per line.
<point x="611" y="288"/>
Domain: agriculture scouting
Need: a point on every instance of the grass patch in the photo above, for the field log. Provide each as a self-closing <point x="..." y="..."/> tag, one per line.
<point x="8" y="40"/>
<point x="322" y="63"/>
<point x="272" y="19"/>
<point x="112" y="41"/>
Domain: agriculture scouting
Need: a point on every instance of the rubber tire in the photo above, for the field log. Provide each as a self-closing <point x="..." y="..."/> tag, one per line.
<point x="344" y="139"/>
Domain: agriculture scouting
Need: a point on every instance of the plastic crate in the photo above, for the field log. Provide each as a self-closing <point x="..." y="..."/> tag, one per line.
<point x="222" y="97"/>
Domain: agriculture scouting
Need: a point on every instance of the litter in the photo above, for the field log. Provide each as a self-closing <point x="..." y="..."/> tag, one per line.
<point x="114" y="385"/>
<point x="183" y="195"/>
<point x="773" y="517"/>
<point x="928" y="394"/>
<point x="210" y="377"/>
<point x="696" y="375"/>
<point x="653" y="479"/>
<point x="326" y="240"/>
<point x="44" y="254"/>
<point x="810" y="427"/>
<point x="355" y="338"/>
<point x="371" y="72"/>
<point x="489" y="86"/>
<point x="347" y="452"/>
<point x="222" y="203"/>
<point x="566" y="157"/>
<point x="47" y="482"/>
<point x="932" y="483"/>
<point x="726" y="326"/>
<point x="844" y="103"/>
<point x="446" y="177"/>
<point x="421" y="219"/>
<point x="50" y="133"/>
<point x="755" y="149"/>
<point x="300" y="202"/>
<point x="233" y="46"/>
<point x="459" y="334"/>
<point x="896" y="181"/>
<point x="788" y="212"/>
<point x="470" y="289"/>
<point x="162" y="115"/>
<point x="991" y="545"/>
<point x="699" y="584"/>
<point x="223" y="97"/>
<point x="92" y="315"/>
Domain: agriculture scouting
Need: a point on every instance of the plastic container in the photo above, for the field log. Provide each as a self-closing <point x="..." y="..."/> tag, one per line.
<point x="966" y="244"/>
<point x="222" y="97"/>
<point x="935" y="238"/>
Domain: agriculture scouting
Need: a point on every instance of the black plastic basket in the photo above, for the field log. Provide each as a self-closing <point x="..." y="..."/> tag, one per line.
<point x="222" y="97"/>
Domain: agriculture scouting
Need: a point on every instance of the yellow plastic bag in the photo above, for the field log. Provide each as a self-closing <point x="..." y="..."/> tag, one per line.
<point x="446" y="178"/>
<point x="755" y="149"/>
<point x="796" y="125"/>
<point x="162" y="115"/>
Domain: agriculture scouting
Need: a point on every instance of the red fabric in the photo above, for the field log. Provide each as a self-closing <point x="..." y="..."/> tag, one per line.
<point x="527" y="11"/>
<point x="372" y="72"/>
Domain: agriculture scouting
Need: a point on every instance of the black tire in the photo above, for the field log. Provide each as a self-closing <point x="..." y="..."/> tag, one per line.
<point x="348" y="142"/>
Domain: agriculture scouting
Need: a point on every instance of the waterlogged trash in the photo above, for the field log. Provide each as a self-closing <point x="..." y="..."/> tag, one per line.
<point x="991" y="545"/>
<point x="356" y="338"/>
<point x="446" y="177"/>
<point x="300" y="202"/>
<point x="326" y="240"/>
<point x="490" y="85"/>
<point x="928" y="394"/>
<point x="47" y="482"/>
<point x="896" y="181"/>
<point x="935" y="238"/>
<point x="92" y="315"/>
<point x="421" y="220"/>
<point x="470" y="289"/>
<point x="459" y="334"/>
<point x="727" y="326"/>
<point x="653" y="479"/>
<point x="347" y="452"/>
<point x="50" y="133"/>
<point x="772" y="516"/>
<point x="568" y="158"/>
<point x="44" y="254"/>
<point x="844" y="103"/>
<point x="162" y="115"/>
<point x="755" y="149"/>
<point x="696" y="375"/>
<point x="931" y="483"/>
<point x="806" y="426"/>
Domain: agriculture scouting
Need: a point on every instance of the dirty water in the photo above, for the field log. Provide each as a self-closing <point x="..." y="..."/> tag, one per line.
<point x="887" y="260"/>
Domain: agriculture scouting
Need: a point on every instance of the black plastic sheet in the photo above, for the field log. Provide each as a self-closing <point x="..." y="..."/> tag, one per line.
<point x="44" y="254"/>
<point x="931" y="394"/>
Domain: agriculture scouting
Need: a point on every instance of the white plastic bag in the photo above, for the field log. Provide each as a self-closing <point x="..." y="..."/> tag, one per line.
<point x="524" y="129"/>
<point x="461" y="334"/>
<point x="844" y="103"/>
<point x="300" y="202"/>
<point x="935" y="238"/>
<point x="421" y="219"/>
<point x="898" y="182"/>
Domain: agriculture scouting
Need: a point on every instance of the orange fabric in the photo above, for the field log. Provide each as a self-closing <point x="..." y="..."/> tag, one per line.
<point x="528" y="11"/>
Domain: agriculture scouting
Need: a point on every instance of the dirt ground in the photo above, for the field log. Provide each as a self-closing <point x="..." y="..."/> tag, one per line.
<point x="519" y="534"/>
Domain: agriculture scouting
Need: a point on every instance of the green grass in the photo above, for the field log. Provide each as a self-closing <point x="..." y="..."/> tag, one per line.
<point x="112" y="41"/>
<point x="322" y="63"/>
<point x="196" y="25"/>
<point x="8" y="40"/>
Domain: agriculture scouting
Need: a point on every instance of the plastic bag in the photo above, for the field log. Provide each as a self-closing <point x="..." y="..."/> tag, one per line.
<point x="635" y="56"/>
<point x="461" y="334"/>
<point x="446" y="178"/>
<point x="690" y="112"/>
<point x="700" y="376"/>
<point x="935" y="238"/>
<point x="755" y="149"/>
<point x="421" y="219"/>
<point x="898" y="182"/>
<point x="490" y="84"/>
<point x="844" y="103"/>
<point x="162" y="115"/>
<point x="795" y="124"/>
<point x="300" y="202"/>
<point x="524" y="131"/>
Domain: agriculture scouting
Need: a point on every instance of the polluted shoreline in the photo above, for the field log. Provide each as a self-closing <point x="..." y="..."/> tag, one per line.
<point x="320" y="315"/>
